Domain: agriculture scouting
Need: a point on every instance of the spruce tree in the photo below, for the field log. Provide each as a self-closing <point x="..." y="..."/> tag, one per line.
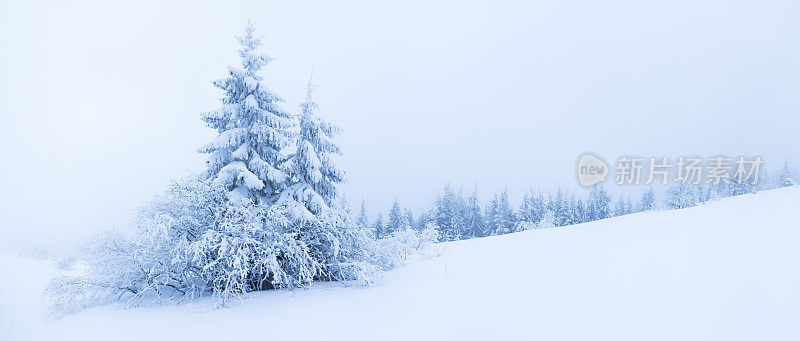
<point x="525" y="208"/>
<point x="378" y="228"/>
<point x="504" y="219"/>
<point x="491" y="213"/>
<point x="560" y="207"/>
<point x="363" y="220"/>
<point x="570" y="210"/>
<point x="396" y="219"/>
<point x="423" y="220"/>
<point x="446" y="214"/>
<point x="648" y="201"/>
<point x="246" y="156"/>
<point x="580" y="212"/>
<point x="476" y="225"/>
<point x="459" y="215"/>
<point x="785" y="176"/>
<point x="314" y="172"/>
<point x="599" y="202"/>
<point x="628" y="205"/>
<point x="538" y="206"/>
<point x="619" y="209"/>
<point x="409" y="219"/>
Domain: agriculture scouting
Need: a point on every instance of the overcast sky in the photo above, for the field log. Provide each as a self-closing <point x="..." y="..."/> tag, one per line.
<point x="100" y="102"/>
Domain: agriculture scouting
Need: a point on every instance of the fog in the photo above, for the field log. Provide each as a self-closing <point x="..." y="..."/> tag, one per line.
<point x="100" y="102"/>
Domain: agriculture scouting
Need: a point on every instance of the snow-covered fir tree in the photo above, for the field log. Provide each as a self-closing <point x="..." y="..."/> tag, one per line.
<point x="525" y="208"/>
<point x="490" y="214"/>
<point x="474" y="222"/>
<point x="785" y="176"/>
<point x="446" y="214"/>
<point x="648" y="201"/>
<point x="460" y="209"/>
<point x="734" y="187"/>
<point x="343" y="204"/>
<point x="503" y="215"/>
<point x="628" y="205"/>
<point x="599" y="203"/>
<point x="246" y="156"/>
<point x="363" y="220"/>
<point x="560" y="208"/>
<point x="622" y="206"/>
<point x="423" y="220"/>
<point x="408" y="219"/>
<point x="378" y="228"/>
<point x="314" y="172"/>
<point x="580" y="211"/>
<point x="396" y="219"/>
<point x="571" y="215"/>
<point x="538" y="206"/>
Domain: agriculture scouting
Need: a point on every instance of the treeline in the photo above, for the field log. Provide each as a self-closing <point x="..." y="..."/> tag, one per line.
<point x="459" y="216"/>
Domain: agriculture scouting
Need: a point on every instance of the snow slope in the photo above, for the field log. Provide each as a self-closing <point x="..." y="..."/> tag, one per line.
<point x="724" y="271"/>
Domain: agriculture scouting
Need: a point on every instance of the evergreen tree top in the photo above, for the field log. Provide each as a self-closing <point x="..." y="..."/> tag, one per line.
<point x="247" y="155"/>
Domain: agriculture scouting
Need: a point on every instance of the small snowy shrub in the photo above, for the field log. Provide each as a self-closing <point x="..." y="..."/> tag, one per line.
<point x="403" y="245"/>
<point x="524" y="226"/>
<point x="681" y="195"/>
<point x="548" y="220"/>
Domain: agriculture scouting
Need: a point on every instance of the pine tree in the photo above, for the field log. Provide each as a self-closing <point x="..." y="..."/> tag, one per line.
<point x="314" y="172"/>
<point x="721" y="189"/>
<point x="648" y="201"/>
<point x="598" y="206"/>
<point x="785" y="176"/>
<point x="738" y="188"/>
<point x="538" y="207"/>
<point x="246" y="156"/>
<point x="363" y="220"/>
<point x="446" y="214"/>
<point x="628" y="205"/>
<point x="423" y="220"/>
<point x="491" y="213"/>
<point x="560" y="209"/>
<point x="343" y="204"/>
<point x="378" y="227"/>
<point x="620" y="208"/>
<point x="571" y="216"/>
<point x="459" y="215"/>
<point x="504" y="216"/>
<point x="525" y="208"/>
<point x="396" y="219"/>
<point x="409" y="219"/>
<point x="475" y="223"/>
<point x="580" y="212"/>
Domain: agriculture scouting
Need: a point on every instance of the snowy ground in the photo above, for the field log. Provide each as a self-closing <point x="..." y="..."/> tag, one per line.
<point x="724" y="271"/>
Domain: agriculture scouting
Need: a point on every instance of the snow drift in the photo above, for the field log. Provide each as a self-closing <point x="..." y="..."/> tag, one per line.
<point x="726" y="270"/>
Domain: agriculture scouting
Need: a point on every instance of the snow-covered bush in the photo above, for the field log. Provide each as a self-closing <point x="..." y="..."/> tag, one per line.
<point x="548" y="220"/>
<point x="401" y="246"/>
<point x="524" y="226"/>
<point x="681" y="195"/>
<point x="198" y="239"/>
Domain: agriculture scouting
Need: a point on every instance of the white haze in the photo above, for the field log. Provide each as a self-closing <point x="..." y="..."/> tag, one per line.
<point x="100" y="102"/>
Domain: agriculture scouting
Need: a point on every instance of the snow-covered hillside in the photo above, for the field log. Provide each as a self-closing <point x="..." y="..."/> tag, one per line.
<point x="727" y="270"/>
